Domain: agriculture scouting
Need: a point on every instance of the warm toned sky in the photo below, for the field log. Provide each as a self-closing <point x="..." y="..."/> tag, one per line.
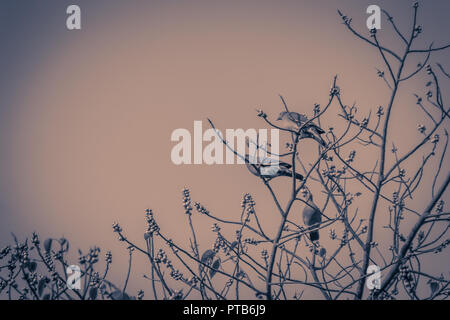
<point x="86" y="116"/>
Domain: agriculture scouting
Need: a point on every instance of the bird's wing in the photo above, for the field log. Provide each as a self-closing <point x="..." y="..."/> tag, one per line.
<point x="305" y="134"/>
<point x="253" y="168"/>
<point x="311" y="214"/>
<point x="318" y="129"/>
<point x="285" y="165"/>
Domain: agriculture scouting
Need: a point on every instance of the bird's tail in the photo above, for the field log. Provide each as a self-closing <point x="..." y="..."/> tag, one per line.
<point x="314" y="235"/>
<point x="320" y="141"/>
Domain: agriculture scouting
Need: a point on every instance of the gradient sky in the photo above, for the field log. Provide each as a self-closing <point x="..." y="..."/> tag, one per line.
<point x="86" y="116"/>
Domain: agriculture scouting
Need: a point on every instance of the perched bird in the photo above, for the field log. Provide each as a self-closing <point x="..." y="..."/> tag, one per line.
<point x="294" y="120"/>
<point x="269" y="168"/>
<point x="312" y="217"/>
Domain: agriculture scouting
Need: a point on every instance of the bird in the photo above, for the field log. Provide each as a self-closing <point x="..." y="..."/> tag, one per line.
<point x="310" y="130"/>
<point x="312" y="217"/>
<point x="270" y="168"/>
